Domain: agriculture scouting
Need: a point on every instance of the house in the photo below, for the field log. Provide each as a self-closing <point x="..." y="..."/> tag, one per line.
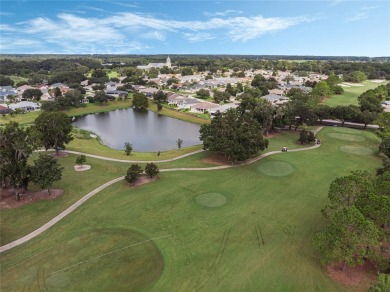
<point x="148" y="91"/>
<point x="6" y="91"/>
<point x="4" y="109"/>
<point x="276" y="91"/>
<point x="222" y="108"/>
<point x="203" y="107"/>
<point x="117" y="93"/>
<point x="112" y="86"/>
<point x="59" y="85"/>
<point x="27" y="106"/>
<point x="187" y="103"/>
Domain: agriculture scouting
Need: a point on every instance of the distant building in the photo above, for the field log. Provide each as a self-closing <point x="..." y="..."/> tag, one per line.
<point x="167" y="63"/>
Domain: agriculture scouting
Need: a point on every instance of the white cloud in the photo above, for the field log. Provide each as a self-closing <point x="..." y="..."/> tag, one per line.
<point x="120" y="33"/>
<point x="125" y="4"/>
<point x="198" y="37"/>
<point x="6" y="27"/>
<point x="222" y="13"/>
<point x="357" y="16"/>
<point x="154" y="35"/>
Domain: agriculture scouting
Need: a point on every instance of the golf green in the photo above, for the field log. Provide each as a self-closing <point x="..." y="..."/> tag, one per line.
<point x="276" y="168"/>
<point x="211" y="200"/>
<point x="346" y="137"/>
<point x="356" y="149"/>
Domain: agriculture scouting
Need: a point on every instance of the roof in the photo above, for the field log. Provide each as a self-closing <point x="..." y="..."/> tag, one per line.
<point x="272" y="97"/>
<point x="205" y="105"/>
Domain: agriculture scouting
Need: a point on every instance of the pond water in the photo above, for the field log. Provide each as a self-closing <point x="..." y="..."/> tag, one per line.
<point x="147" y="131"/>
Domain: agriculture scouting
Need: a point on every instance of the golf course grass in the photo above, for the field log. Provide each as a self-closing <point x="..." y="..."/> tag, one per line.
<point x="276" y="168"/>
<point x="350" y="95"/>
<point x="260" y="239"/>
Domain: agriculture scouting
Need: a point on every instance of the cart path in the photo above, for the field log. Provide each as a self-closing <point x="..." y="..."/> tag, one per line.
<point x="128" y="161"/>
<point x="73" y="207"/>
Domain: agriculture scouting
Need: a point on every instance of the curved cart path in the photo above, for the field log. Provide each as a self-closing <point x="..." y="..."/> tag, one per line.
<point x="128" y="161"/>
<point x="70" y="209"/>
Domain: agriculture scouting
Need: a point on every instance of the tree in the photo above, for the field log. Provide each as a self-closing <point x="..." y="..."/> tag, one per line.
<point x="160" y="96"/>
<point x="140" y="101"/>
<point x="133" y="173"/>
<point x="54" y="129"/>
<point x="32" y="94"/>
<point x="230" y="89"/>
<point x="345" y="191"/>
<point x="179" y="143"/>
<point x="370" y="101"/>
<point x="237" y="136"/>
<point x="203" y="93"/>
<point x="303" y="136"/>
<point x="382" y="284"/>
<point x="220" y="96"/>
<point x="151" y="169"/>
<point x="6" y="81"/>
<point x="349" y="238"/>
<point x="101" y="97"/>
<point x="46" y="171"/>
<point x="57" y="93"/>
<point x="186" y="71"/>
<point x="323" y="111"/>
<point x="343" y="113"/>
<point x="80" y="160"/>
<point x="128" y="148"/>
<point x="367" y="117"/>
<point x="322" y="89"/>
<point x="16" y="146"/>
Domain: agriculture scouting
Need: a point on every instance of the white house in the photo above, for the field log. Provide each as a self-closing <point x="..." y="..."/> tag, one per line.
<point x="27" y="106"/>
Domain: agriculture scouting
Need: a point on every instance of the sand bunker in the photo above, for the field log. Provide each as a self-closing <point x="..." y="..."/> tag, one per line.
<point x="211" y="200"/>
<point x="83" y="167"/>
<point x="356" y="149"/>
<point x="276" y="168"/>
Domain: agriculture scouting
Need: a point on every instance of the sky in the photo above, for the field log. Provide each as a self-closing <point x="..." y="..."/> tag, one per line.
<point x="279" y="27"/>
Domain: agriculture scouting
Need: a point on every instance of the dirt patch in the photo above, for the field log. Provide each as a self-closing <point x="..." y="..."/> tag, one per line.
<point x="60" y="154"/>
<point x="143" y="179"/>
<point x="8" y="200"/>
<point x="359" y="277"/>
<point x="216" y="159"/>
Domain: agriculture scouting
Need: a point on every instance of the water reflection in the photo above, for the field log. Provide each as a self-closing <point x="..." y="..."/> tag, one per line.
<point x="147" y="131"/>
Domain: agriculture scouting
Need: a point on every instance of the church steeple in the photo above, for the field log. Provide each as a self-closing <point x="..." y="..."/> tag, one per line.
<point x="168" y="62"/>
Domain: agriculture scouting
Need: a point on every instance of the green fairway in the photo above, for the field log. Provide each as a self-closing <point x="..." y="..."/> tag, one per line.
<point x="351" y="93"/>
<point x="234" y="229"/>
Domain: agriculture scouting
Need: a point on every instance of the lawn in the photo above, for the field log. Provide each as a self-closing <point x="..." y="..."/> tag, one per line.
<point x="244" y="228"/>
<point x="351" y="94"/>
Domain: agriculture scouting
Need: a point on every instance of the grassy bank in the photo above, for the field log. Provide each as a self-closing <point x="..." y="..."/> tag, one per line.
<point x="90" y="108"/>
<point x="253" y="232"/>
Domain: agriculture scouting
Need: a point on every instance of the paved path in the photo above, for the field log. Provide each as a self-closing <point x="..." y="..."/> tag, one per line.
<point x="56" y="219"/>
<point x="128" y="161"/>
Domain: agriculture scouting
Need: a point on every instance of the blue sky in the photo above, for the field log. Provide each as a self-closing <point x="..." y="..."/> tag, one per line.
<point x="325" y="28"/>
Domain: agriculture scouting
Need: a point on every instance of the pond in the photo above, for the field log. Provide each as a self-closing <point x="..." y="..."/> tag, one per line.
<point x="147" y="131"/>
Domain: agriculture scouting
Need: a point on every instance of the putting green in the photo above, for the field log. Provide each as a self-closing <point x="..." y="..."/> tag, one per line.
<point x="356" y="149"/>
<point x="276" y="168"/>
<point x="211" y="200"/>
<point x="346" y="137"/>
<point x="346" y="130"/>
<point x="136" y="259"/>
